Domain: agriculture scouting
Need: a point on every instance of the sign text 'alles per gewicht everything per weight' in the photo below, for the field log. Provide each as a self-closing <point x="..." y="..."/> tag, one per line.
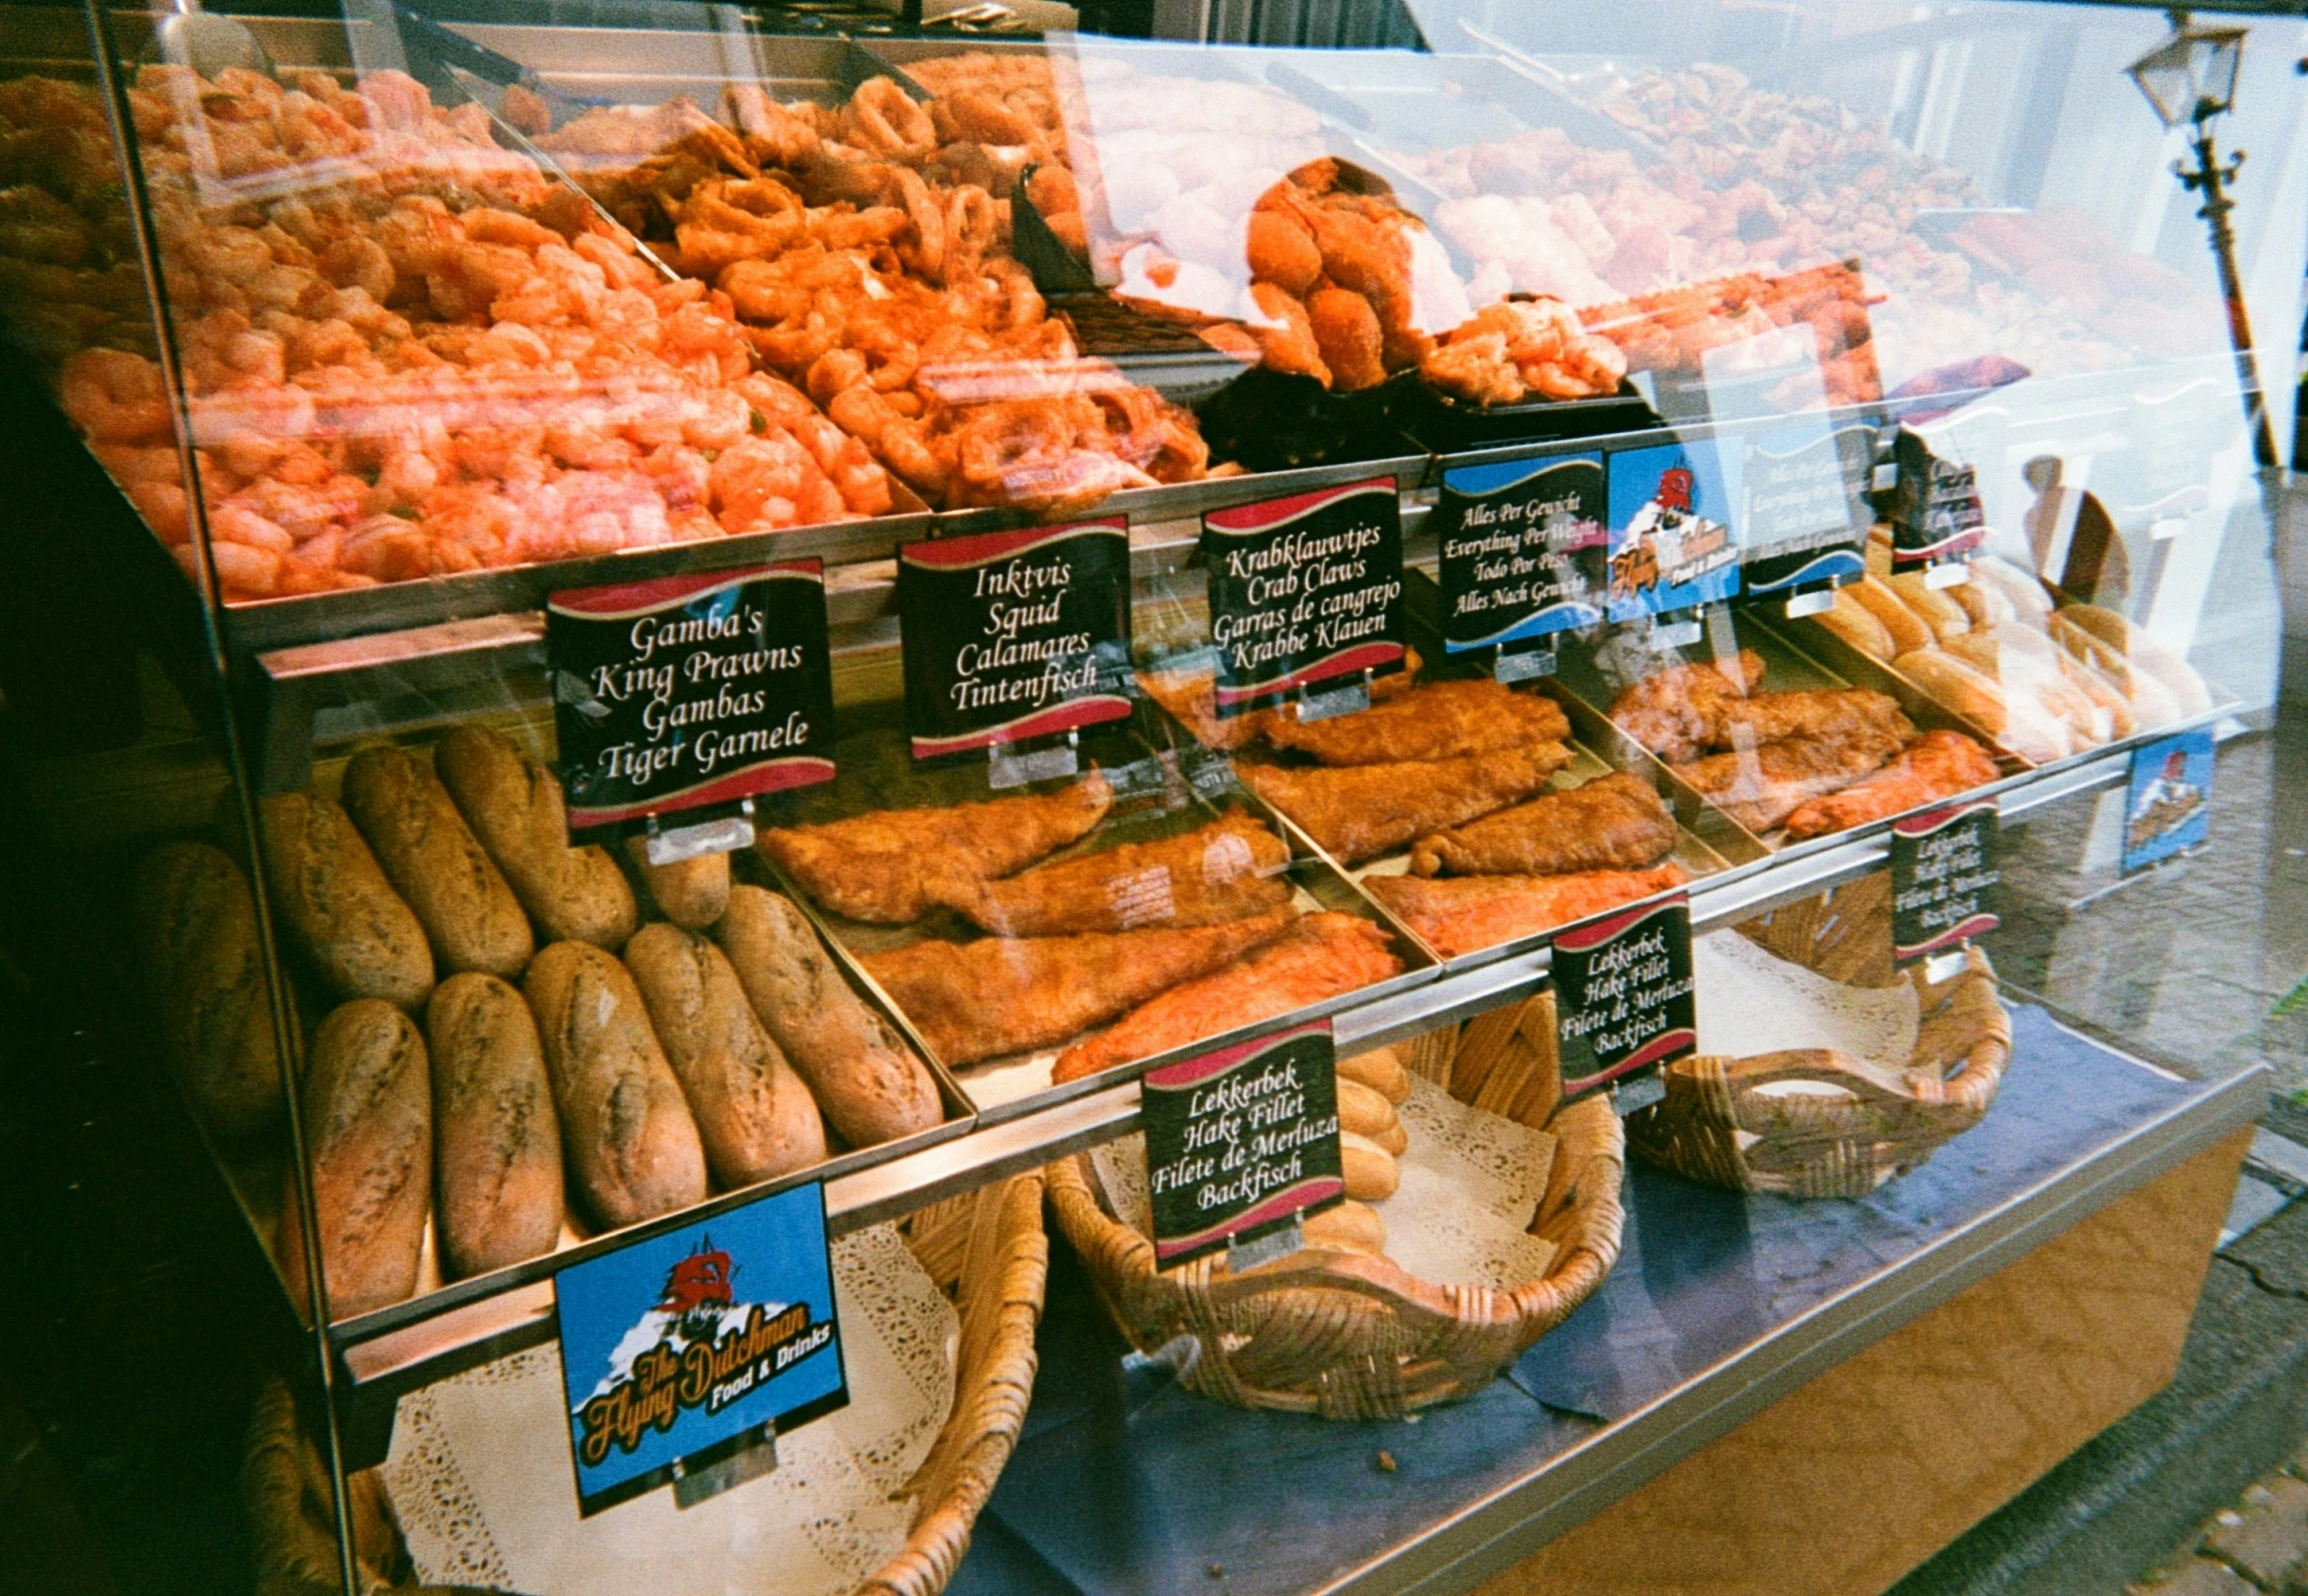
<point x="1011" y="636"/>
<point x="690" y="691"/>
<point x="1241" y="1140"/>
<point x="1304" y="591"/>
<point x="1525" y="549"/>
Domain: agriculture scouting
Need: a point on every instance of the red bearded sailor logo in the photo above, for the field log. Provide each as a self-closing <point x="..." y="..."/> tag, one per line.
<point x="698" y="1287"/>
<point x="1675" y="486"/>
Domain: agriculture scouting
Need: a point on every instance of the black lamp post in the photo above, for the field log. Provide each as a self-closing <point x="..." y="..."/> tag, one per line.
<point x="2191" y="78"/>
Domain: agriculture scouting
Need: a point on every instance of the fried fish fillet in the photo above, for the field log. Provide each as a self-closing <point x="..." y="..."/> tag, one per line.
<point x="1320" y="957"/>
<point x="1467" y="913"/>
<point x="1441" y="720"/>
<point x="1614" y="822"/>
<point x="895" y="865"/>
<point x="1823" y="715"/>
<point x="1939" y="765"/>
<point x="1192" y="696"/>
<point x="1673" y="712"/>
<point x="1760" y="787"/>
<point x="979" y="1000"/>
<point x="1223" y="871"/>
<point x="1359" y="810"/>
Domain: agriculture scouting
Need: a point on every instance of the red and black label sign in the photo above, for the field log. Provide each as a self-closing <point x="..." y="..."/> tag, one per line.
<point x="1623" y="993"/>
<point x="1936" y="512"/>
<point x="1241" y="1140"/>
<point x="1011" y="636"/>
<point x="690" y="691"/>
<point x="1304" y="590"/>
<point x="1946" y="887"/>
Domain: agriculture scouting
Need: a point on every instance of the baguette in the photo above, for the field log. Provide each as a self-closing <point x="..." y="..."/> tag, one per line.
<point x="2144" y="652"/>
<point x="1857" y="625"/>
<point x="368" y="1121"/>
<point x="516" y="809"/>
<point x="754" y="1114"/>
<point x="1366" y="1113"/>
<point x="1983" y="601"/>
<point x="207" y="972"/>
<point x="496" y="1139"/>
<point x="1350" y="1227"/>
<point x="1371" y="1172"/>
<point x="625" y="1129"/>
<point x="692" y="893"/>
<point x="1381" y="1070"/>
<point x="337" y="904"/>
<point x="434" y="861"/>
<point x="1943" y="615"/>
<point x="1907" y="630"/>
<point x="870" y="1084"/>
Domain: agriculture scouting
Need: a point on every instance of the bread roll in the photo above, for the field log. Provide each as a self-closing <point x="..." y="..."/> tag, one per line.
<point x="515" y="807"/>
<point x="1857" y="625"/>
<point x="1350" y="1227"/>
<point x="338" y="907"/>
<point x="1371" y="1172"/>
<point x="1382" y="1070"/>
<point x="206" y="966"/>
<point x="496" y="1138"/>
<point x="1958" y="685"/>
<point x="1366" y="1113"/>
<point x="368" y="1124"/>
<point x="2030" y="603"/>
<point x="1943" y="615"/>
<point x="434" y="861"/>
<point x="1878" y="550"/>
<point x="867" y="1080"/>
<point x="2152" y="703"/>
<point x="2032" y="669"/>
<point x="625" y="1128"/>
<point x="756" y="1117"/>
<point x="2106" y="697"/>
<point x="2144" y="652"/>
<point x="1906" y="629"/>
<point x="692" y="893"/>
<point x="1983" y="601"/>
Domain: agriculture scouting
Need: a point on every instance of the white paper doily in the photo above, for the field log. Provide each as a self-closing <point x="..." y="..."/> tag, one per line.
<point x="1470" y="1182"/>
<point x="1753" y="1002"/>
<point x="481" y="1479"/>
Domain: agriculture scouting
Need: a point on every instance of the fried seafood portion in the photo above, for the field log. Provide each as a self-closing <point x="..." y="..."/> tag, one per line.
<point x="1321" y="956"/>
<point x="1000" y="995"/>
<point x="892" y="866"/>
<point x="1761" y="787"/>
<point x="1939" y="764"/>
<point x="1464" y="914"/>
<point x="1524" y="349"/>
<point x="1358" y="811"/>
<point x="1223" y="871"/>
<point x="1674" y="712"/>
<point x="1439" y="720"/>
<point x="1615" y="822"/>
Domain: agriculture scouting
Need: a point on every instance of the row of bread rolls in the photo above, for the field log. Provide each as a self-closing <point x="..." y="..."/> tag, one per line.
<point x="606" y="1089"/>
<point x="1371" y="1137"/>
<point x="2045" y="682"/>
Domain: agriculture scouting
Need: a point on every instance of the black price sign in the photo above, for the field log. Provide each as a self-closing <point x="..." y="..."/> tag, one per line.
<point x="1805" y="492"/>
<point x="1623" y="993"/>
<point x="1936" y="512"/>
<point x="1015" y="635"/>
<point x="689" y="691"/>
<point x="1304" y="590"/>
<point x="1525" y="549"/>
<point x="1241" y="1141"/>
<point x="1945" y="886"/>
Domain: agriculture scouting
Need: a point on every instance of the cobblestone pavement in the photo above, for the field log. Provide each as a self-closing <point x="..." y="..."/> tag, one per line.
<point x="2258" y="1545"/>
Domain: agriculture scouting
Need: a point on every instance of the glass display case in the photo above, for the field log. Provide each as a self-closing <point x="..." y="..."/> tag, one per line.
<point x="629" y="629"/>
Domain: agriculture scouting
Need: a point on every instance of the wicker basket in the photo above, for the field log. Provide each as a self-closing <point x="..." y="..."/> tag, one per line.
<point x="987" y="1249"/>
<point x="1847" y="1126"/>
<point x="1351" y="1336"/>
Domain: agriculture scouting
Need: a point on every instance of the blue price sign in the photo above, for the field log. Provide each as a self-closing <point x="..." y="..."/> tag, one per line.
<point x="690" y="1347"/>
<point x="2168" y="801"/>
<point x="1673" y="545"/>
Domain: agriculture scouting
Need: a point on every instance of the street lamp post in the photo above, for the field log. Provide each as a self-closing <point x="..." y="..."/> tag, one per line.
<point x="2191" y="78"/>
